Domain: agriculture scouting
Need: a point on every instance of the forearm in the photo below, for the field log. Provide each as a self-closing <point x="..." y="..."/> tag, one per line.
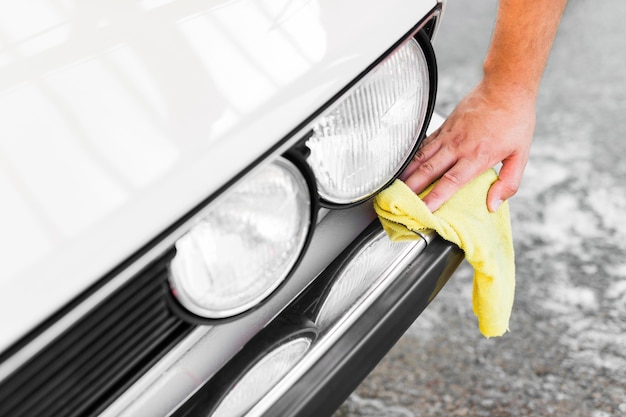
<point x="521" y="43"/>
<point x="495" y="121"/>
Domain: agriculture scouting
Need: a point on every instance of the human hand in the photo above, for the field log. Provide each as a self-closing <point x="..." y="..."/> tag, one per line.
<point x="492" y="124"/>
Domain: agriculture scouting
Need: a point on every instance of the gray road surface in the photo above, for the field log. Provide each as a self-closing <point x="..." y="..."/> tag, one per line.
<point x="566" y="352"/>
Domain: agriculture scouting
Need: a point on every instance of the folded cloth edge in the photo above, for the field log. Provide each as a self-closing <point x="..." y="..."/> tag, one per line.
<point x="464" y="220"/>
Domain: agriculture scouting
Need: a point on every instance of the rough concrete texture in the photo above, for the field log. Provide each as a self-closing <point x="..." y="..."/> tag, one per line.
<point x="566" y="352"/>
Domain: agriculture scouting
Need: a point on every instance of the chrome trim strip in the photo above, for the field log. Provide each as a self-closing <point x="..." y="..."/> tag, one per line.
<point x="158" y="371"/>
<point x="344" y="225"/>
<point x="29" y="350"/>
<point x="428" y="235"/>
<point x="333" y="234"/>
<point x="336" y="331"/>
<point x="60" y="326"/>
<point x="64" y="323"/>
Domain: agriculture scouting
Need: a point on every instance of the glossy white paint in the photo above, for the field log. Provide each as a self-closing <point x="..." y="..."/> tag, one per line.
<point x="117" y="117"/>
<point x="186" y="367"/>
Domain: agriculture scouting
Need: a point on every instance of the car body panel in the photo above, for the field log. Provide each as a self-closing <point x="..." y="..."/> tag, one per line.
<point x="117" y="116"/>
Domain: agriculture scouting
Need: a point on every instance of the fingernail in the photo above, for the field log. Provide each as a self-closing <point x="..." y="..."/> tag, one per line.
<point x="496" y="205"/>
<point x="431" y="205"/>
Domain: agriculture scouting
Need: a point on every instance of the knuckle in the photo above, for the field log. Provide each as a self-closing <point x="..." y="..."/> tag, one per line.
<point x="457" y="139"/>
<point x="453" y="177"/>
<point x="430" y="138"/>
<point x="427" y="170"/>
<point x="510" y="188"/>
<point x="419" y="156"/>
<point x="436" y="195"/>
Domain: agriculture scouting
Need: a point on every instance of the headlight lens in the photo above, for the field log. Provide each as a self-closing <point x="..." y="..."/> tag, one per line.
<point x="245" y="244"/>
<point x="371" y="264"/>
<point x="359" y="145"/>
<point x="262" y="377"/>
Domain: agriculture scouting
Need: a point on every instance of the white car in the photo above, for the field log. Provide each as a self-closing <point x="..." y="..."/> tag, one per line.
<point x="186" y="220"/>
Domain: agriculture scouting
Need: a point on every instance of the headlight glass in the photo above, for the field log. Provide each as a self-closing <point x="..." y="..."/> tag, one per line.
<point x="262" y="377"/>
<point x="244" y="245"/>
<point x="371" y="264"/>
<point x="358" y="146"/>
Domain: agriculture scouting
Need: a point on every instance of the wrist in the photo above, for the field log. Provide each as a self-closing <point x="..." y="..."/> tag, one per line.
<point x="506" y="87"/>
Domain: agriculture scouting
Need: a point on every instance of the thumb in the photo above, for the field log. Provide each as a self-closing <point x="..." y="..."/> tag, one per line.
<point x="508" y="182"/>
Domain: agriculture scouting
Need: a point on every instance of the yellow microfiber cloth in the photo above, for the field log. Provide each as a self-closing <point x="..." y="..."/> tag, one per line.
<point x="464" y="219"/>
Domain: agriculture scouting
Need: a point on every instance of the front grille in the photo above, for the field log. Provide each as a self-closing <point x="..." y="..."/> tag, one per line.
<point x="88" y="366"/>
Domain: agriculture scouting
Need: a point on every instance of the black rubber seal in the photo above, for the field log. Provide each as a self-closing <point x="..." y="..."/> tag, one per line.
<point x="423" y="40"/>
<point x="179" y="310"/>
<point x="342" y="368"/>
<point x="284" y="329"/>
<point x="359" y="349"/>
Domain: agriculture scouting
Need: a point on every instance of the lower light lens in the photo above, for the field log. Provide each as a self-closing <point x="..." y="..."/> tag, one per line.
<point x="245" y="244"/>
<point x="358" y="146"/>
<point x="378" y="257"/>
<point x="260" y="379"/>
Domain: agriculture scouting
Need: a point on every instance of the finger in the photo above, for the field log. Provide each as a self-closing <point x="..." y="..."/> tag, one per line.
<point x="427" y="149"/>
<point x="430" y="170"/>
<point x="432" y="136"/>
<point x="453" y="179"/>
<point x="508" y="182"/>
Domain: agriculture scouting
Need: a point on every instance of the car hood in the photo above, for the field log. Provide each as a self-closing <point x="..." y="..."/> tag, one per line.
<point x="118" y="117"/>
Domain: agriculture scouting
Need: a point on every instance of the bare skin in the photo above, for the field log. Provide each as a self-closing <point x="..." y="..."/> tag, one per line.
<point x="495" y="122"/>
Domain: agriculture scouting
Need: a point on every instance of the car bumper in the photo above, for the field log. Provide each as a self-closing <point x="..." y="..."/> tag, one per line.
<point x="105" y="336"/>
<point x="192" y="377"/>
<point x="343" y="354"/>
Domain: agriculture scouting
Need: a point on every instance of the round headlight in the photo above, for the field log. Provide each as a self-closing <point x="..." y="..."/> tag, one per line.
<point x="255" y="370"/>
<point x="372" y="263"/>
<point x="362" y="143"/>
<point x="245" y="244"/>
<point x="262" y="377"/>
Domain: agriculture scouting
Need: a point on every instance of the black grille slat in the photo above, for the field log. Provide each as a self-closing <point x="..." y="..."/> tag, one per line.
<point x="108" y="366"/>
<point x="121" y="367"/>
<point x="84" y="370"/>
<point x="80" y="369"/>
<point x="71" y="361"/>
<point x="73" y="341"/>
<point x="113" y="391"/>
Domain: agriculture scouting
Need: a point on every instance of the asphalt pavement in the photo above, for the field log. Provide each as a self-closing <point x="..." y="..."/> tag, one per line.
<point x="565" y="354"/>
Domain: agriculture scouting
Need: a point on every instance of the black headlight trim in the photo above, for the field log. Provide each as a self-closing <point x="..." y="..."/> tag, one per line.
<point x="47" y="332"/>
<point x="423" y="40"/>
<point x="190" y="317"/>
